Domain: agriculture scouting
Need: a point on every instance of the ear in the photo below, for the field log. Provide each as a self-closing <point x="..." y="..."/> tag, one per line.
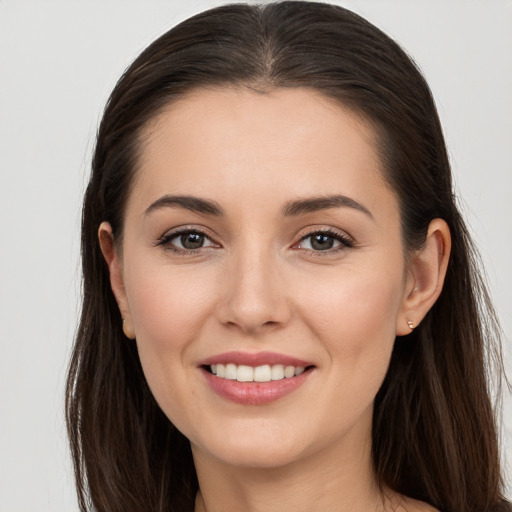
<point x="111" y="256"/>
<point x="426" y="273"/>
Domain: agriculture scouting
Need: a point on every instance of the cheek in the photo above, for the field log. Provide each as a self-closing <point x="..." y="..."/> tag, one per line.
<point x="356" y="300"/>
<point x="167" y="304"/>
<point x="355" y="316"/>
<point x="168" y="307"/>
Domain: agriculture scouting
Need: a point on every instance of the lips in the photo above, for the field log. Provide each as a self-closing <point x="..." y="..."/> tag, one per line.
<point x="254" y="379"/>
<point x="256" y="359"/>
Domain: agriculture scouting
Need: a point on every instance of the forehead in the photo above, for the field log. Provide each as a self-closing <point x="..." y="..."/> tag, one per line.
<point x="236" y="143"/>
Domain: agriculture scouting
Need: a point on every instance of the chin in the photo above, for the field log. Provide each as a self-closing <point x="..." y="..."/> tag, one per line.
<point x="249" y="451"/>
<point x="258" y="457"/>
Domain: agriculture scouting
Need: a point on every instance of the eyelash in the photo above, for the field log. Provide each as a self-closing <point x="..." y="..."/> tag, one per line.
<point x="344" y="241"/>
<point x="165" y="240"/>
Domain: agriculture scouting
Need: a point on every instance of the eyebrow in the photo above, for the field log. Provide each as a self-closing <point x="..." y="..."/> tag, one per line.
<point x="314" y="204"/>
<point x="290" y="209"/>
<point x="194" y="204"/>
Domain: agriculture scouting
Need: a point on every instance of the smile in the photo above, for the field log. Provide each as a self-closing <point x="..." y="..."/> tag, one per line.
<point x="255" y="378"/>
<point x="264" y="373"/>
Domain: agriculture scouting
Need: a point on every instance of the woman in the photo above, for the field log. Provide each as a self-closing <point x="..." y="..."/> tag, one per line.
<point x="281" y="307"/>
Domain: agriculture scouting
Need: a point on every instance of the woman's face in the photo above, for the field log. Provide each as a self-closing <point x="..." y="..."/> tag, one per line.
<point x="260" y="233"/>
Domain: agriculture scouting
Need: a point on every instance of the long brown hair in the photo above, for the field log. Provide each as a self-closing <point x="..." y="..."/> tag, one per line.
<point x="434" y="431"/>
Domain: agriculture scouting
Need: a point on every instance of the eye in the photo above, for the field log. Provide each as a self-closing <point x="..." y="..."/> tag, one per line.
<point x="324" y="241"/>
<point x="186" y="241"/>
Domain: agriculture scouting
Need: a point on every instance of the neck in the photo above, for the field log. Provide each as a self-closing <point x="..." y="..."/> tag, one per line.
<point x="339" y="479"/>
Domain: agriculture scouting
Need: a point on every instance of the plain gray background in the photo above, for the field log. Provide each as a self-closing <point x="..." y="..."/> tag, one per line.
<point x="58" y="62"/>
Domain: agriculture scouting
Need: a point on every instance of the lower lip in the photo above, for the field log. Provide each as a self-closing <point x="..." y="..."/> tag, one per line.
<point x="255" y="393"/>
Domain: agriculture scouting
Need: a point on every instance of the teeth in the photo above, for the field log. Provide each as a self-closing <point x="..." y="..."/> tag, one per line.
<point x="277" y="372"/>
<point x="265" y="373"/>
<point x="231" y="372"/>
<point x="244" y="373"/>
<point x="289" y="371"/>
<point x="262" y="374"/>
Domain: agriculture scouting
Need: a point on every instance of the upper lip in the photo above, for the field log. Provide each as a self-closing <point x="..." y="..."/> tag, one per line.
<point x="254" y="359"/>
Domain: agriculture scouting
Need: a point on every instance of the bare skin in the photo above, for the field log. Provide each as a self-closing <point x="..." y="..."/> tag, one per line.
<point x="263" y="271"/>
<point x="391" y="502"/>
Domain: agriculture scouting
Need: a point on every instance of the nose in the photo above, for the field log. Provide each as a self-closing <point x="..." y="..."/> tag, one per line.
<point x="254" y="297"/>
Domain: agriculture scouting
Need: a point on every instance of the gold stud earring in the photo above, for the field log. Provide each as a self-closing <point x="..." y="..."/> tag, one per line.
<point x="411" y="325"/>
